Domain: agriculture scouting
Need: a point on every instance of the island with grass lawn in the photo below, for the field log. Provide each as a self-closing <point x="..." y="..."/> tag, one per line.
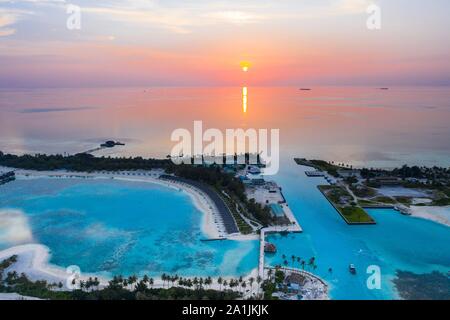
<point x="419" y="191"/>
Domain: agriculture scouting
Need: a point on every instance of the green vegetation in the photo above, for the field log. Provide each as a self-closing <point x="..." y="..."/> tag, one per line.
<point x="243" y="227"/>
<point x="325" y="166"/>
<point x="80" y="162"/>
<point x="363" y="191"/>
<point x="319" y="165"/>
<point x="336" y="193"/>
<point x="120" y="288"/>
<point x="366" y="203"/>
<point x="442" y="202"/>
<point x="404" y="200"/>
<point x="343" y="203"/>
<point x="354" y="214"/>
<point x="5" y="264"/>
<point x="233" y="187"/>
<point x="384" y="199"/>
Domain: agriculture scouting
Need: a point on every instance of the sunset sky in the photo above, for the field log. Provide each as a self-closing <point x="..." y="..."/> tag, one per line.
<point x="203" y="42"/>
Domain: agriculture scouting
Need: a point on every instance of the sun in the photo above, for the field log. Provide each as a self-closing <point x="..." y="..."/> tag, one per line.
<point x="245" y="65"/>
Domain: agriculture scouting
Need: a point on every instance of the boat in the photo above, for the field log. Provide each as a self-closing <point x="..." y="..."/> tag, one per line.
<point x="352" y="269"/>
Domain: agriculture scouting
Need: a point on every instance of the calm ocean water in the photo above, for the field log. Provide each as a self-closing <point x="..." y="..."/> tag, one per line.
<point x="121" y="228"/>
<point x="357" y="125"/>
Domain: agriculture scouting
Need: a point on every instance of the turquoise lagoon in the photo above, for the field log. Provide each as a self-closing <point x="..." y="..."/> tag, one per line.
<point x="396" y="242"/>
<point x="117" y="227"/>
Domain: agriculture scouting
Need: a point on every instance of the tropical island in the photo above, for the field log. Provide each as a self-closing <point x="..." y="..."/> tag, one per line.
<point x="409" y="190"/>
<point x="240" y="186"/>
<point x="236" y="201"/>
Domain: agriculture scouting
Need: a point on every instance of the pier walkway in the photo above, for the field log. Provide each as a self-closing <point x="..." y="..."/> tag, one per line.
<point x="294" y="227"/>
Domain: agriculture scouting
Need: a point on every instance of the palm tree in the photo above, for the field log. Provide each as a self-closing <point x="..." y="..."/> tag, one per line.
<point x="311" y="261"/>
<point x="140" y="286"/>
<point x="269" y="273"/>
<point x="258" y="280"/>
<point x="82" y="284"/>
<point x="151" y="282"/>
<point x="299" y="260"/>
<point x="220" y="281"/>
<point x="96" y="282"/>
<point x="251" y="280"/>
<point x="195" y="282"/>
<point x="208" y="281"/>
<point x="131" y="280"/>
<point x="293" y="260"/>
<point x="240" y="282"/>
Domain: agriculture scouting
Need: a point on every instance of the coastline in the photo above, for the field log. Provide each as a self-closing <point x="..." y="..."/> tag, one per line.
<point x="34" y="261"/>
<point x="198" y="198"/>
<point x="430" y="213"/>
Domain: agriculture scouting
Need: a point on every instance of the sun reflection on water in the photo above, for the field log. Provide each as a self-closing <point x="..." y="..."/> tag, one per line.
<point x="244" y="99"/>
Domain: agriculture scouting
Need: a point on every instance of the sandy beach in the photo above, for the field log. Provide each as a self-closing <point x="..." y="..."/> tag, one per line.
<point x="436" y="214"/>
<point x="33" y="260"/>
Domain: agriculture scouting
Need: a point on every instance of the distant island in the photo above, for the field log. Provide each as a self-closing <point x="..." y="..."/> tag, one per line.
<point x="111" y="144"/>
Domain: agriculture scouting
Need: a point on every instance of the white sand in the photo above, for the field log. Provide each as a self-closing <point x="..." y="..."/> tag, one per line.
<point x="15" y="296"/>
<point x="436" y="214"/>
<point x="33" y="260"/>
